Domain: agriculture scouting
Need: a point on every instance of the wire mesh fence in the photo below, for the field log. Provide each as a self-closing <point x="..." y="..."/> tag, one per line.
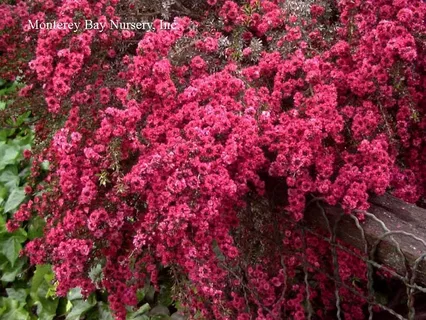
<point x="389" y="239"/>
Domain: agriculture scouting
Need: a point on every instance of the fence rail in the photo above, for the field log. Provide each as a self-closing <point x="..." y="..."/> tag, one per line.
<point x="392" y="238"/>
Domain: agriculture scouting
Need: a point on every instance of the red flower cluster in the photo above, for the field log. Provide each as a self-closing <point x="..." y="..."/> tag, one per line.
<point x="155" y="152"/>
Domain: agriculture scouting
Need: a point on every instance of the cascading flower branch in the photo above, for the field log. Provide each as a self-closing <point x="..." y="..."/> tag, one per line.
<point x="159" y="152"/>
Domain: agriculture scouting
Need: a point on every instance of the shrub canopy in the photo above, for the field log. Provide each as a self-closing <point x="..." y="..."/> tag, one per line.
<point x="189" y="147"/>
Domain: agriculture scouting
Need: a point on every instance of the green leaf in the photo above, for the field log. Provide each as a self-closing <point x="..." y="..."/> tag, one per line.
<point x="46" y="308"/>
<point x="3" y="192"/>
<point x="95" y="274"/>
<point x="140" y="294"/>
<point x="38" y="277"/>
<point x="9" y="177"/>
<point x="10" y="273"/>
<point x="140" y="314"/>
<point x="12" y="310"/>
<point x="17" y="294"/>
<point x="35" y="228"/>
<point x="160" y="310"/>
<point x="22" y="142"/>
<point x="2" y="225"/>
<point x="104" y="311"/>
<point x="11" y="249"/>
<point x="80" y="307"/>
<point x="41" y="292"/>
<point x="64" y="306"/>
<point x="15" y="199"/>
<point x="74" y="294"/>
<point x="68" y="306"/>
<point x="22" y="118"/>
<point x="45" y="165"/>
<point x="5" y="133"/>
<point x="20" y="234"/>
<point x="8" y="155"/>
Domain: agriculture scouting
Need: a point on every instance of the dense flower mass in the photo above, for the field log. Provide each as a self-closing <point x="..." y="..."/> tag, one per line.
<point x="162" y="144"/>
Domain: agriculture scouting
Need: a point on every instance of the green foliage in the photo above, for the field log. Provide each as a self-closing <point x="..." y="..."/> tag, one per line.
<point x="42" y="292"/>
<point x="10" y="244"/>
<point x="12" y="309"/>
<point x="28" y="292"/>
<point x="14" y="139"/>
<point x="80" y="306"/>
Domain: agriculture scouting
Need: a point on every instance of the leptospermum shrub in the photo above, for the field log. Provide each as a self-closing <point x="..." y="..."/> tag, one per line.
<point x="189" y="148"/>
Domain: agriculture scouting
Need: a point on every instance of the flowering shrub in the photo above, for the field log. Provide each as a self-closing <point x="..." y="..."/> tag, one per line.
<point x="161" y="151"/>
